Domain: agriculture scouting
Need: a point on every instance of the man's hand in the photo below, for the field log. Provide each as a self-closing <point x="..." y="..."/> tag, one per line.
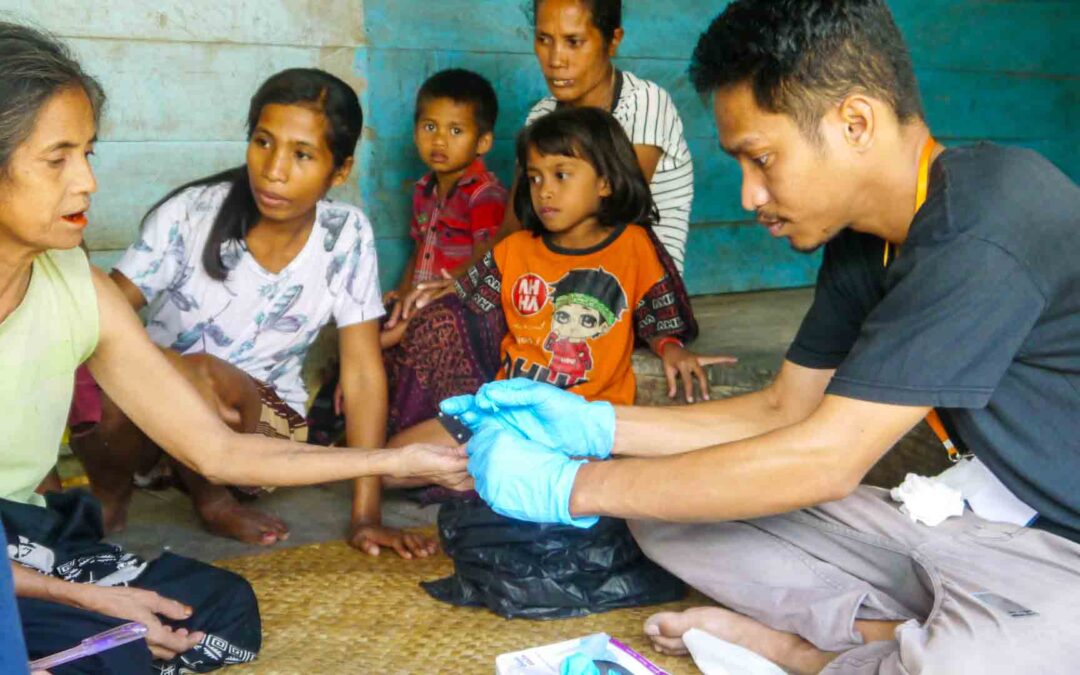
<point x="437" y="464"/>
<point x="135" y="604"/>
<point x="681" y="362"/>
<point x="370" y="538"/>
<point x="522" y="479"/>
<point x="540" y="412"/>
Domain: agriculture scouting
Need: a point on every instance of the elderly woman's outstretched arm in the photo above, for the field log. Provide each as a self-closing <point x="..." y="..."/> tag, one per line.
<point x="137" y="376"/>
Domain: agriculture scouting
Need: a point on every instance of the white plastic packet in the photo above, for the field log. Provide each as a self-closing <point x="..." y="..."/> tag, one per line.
<point x="986" y="494"/>
<point x="714" y="656"/>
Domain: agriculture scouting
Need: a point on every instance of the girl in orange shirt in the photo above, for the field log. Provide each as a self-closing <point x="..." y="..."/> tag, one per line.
<point x="562" y="301"/>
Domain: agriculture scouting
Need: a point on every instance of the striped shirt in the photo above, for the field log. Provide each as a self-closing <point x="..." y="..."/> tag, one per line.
<point x="649" y="117"/>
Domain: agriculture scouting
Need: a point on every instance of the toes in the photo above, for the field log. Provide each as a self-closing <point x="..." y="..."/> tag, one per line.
<point x="669" y="646"/>
<point x="661" y="624"/>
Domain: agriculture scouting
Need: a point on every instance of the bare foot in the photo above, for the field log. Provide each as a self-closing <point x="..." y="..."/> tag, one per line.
<point x="666" y="629"/>
<point x="114" y="513"/>
<point x="227" y="518"/>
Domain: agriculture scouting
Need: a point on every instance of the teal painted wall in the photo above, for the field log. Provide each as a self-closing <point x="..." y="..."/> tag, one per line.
<point x="1006" y="71"/>
<point x="180" y="72"/>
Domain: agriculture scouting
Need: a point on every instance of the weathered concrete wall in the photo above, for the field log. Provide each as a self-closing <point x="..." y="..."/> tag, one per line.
<point x="179" y="74"/>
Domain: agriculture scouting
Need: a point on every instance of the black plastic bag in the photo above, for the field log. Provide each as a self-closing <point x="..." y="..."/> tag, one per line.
<point x="525" y="570"/>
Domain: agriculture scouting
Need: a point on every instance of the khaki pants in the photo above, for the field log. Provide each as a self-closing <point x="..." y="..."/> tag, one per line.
<point x="975" y="596"/>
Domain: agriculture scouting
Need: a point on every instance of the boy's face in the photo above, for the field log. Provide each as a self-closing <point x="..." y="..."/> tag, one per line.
<point x="798" y="188"/>
<point x="45" y="189"/>
<point x="447" y="136"/>
<point x="577" y="322"/>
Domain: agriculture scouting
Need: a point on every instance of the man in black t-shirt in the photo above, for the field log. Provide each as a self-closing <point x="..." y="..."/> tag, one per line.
<point x="950" y="282"/>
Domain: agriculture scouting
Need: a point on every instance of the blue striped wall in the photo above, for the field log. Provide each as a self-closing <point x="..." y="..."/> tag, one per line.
<point x="989" y="70"/>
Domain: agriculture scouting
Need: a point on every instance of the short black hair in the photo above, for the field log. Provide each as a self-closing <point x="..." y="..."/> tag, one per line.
<point x="801" y="56"/>
<point x="592" y="135"/>
<point x="605" y="15"/>
<point x="464" y="87"/>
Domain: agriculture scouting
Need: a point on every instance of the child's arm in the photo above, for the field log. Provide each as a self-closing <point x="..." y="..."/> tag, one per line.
<point x="398" y="295"/>
<point x="662" y="323"/>
<point x="680" y="361"/>
<point x="363" y="382"/>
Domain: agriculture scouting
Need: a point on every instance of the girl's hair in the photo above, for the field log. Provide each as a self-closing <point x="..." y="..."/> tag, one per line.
<point x="606" y="15"/>
<point x="33" y="67"/>
<point x="308" y="87"/>
<point x="592" y="135"/>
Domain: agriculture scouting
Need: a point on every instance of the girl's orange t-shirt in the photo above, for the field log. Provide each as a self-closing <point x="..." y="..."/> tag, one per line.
<point x="572" y="314"/>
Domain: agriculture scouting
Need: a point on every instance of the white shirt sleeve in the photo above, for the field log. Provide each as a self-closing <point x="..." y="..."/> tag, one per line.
<point x="653" y="121"/>
<point x="161" y="253"/>
<point x="355" y="283"/>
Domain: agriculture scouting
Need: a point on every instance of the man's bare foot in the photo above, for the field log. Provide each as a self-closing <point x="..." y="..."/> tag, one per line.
<point x="227" y="518"/>
<point x="789" y="651"/>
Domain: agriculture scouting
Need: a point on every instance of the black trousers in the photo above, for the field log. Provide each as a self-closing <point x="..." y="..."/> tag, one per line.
<point x="224" y="605"/>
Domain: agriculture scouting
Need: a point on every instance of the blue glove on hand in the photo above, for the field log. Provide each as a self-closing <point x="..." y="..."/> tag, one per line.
<point x="540" y="412"/>
<point x="521" y="479"/>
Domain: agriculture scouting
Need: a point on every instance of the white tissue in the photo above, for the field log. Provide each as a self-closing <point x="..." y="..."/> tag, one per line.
<point x="926" y="500"/>
<point x="714" y="656"/>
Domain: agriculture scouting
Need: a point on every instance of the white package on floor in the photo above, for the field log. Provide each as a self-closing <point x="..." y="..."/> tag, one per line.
<point x="714" y="656"/>
<point x="547" y="660"/>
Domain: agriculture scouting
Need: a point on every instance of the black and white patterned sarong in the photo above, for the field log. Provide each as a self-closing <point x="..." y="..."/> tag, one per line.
<point x="64" y="540"/>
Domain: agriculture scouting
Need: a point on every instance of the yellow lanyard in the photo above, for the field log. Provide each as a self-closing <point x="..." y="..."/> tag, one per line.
<point x="921" y="188"/>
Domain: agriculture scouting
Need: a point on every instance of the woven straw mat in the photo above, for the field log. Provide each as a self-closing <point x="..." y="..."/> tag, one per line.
<point x="327" y="608"/>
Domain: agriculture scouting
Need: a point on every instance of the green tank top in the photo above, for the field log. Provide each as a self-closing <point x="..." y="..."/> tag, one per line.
<point x="42" y="342"/>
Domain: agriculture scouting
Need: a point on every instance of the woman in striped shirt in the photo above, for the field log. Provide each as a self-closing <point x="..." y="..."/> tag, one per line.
<point x="575" y="41"/>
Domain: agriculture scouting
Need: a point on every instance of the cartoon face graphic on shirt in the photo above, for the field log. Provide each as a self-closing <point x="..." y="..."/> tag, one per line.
<point x="587" y="303"/>
<point x="574" y="321"/>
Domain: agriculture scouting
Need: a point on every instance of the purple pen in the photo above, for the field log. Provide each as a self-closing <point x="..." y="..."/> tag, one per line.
<point x="121" y="635"/>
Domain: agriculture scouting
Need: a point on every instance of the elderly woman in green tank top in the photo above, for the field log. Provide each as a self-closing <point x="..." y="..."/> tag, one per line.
<point x="56" y="312"/>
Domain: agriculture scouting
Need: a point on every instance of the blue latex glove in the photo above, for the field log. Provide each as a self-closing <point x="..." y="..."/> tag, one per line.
<point x="540" y="412"/>
<point x="522" y="479"/>
<point x="582" y="662"/>
<point x="578" y="664"/>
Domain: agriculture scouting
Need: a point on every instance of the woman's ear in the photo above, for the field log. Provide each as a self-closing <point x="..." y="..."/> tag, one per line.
<point x="616" y="40"/>
<point x="341" y="174"/>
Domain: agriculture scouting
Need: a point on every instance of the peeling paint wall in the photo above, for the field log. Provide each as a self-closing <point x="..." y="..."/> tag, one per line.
<point x="179" y="75"/>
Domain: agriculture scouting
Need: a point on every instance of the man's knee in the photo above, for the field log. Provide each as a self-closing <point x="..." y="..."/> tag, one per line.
<point x="643" y="532"/>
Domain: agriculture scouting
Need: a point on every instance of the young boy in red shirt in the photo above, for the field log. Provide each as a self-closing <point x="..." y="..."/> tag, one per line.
<point x="457" y="207"/>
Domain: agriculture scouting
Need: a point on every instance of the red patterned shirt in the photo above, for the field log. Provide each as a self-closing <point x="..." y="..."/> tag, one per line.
<point x="446" y="229"/>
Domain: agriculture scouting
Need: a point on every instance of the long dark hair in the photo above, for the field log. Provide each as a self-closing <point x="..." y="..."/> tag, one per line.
<point x="34" y="66"/>
<point x="592" y="135"/>
<point x="305" y="86"/>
